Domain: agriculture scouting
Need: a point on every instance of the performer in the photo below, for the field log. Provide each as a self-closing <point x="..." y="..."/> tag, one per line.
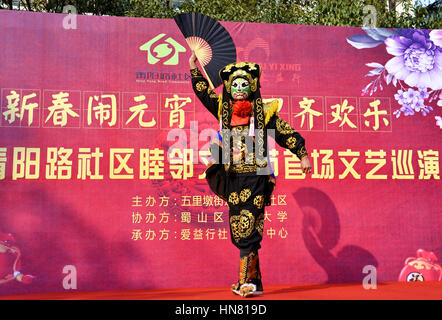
<point x="240" y="172"/>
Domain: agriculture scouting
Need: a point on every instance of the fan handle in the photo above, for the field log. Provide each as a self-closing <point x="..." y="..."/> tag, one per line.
<point x="203" y="53"/>
<point x="208" y="79"/>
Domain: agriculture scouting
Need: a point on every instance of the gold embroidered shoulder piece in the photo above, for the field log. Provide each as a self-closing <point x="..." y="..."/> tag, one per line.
<point x="270" y="108"/>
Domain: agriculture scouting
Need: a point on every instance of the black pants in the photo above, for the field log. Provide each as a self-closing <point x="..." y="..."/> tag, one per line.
<point x="245" y="195"/>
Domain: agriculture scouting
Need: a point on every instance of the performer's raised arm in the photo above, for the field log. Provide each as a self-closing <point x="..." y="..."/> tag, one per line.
<point x="202" y="89"/>
<point x="288" y="138"/>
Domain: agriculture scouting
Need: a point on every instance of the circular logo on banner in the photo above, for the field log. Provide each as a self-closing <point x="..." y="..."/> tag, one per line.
<point x="157" y="50"/>
<point x="415" y="276"/>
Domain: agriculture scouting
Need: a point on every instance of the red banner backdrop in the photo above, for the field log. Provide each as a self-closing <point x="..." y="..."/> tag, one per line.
<point x="92" y="107"/>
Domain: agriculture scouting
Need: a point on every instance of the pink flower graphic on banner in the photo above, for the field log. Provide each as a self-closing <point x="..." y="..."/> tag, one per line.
<point x="417" y="61"/>
<point x="436" y="37"/>
<point x="412" y="101"/>
<point x="438" y="121"/>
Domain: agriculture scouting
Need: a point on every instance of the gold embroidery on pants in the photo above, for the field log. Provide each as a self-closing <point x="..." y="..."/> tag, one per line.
<point x="245" y="194"/>
<point x="233" y="198"/>
<point x="259" y="225"/>
<point x="259" y="201"/>
<point x="242" y="225"/>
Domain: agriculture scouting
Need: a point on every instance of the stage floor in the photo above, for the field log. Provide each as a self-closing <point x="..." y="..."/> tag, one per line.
<point x="384" y="291"/>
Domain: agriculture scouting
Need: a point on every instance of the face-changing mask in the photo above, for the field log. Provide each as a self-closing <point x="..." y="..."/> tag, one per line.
<point x="240" y="89"/>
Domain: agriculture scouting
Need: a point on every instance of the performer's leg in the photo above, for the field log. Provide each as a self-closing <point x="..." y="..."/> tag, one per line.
<point x="250" y="283"/>
<point x="249" y="275"/>
<point x="246" y="214"/>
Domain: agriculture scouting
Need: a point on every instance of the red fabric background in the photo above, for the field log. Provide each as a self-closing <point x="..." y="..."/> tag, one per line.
<point x="334" y="226"/>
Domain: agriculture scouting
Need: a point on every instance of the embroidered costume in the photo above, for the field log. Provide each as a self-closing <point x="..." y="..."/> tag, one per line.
<point x="239" y="171"/>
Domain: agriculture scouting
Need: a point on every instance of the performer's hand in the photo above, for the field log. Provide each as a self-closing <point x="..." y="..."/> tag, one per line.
<point x="305" y="165"/>
<point x="192" y="60"/>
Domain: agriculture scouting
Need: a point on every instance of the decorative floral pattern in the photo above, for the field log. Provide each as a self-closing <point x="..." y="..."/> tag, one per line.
<point x="242" y="225"/>
<point x="290" y="142"/>
<point x="201" y="86"/>
<point x="259" y="224"/>
<point x="415" y="70"/>
<point x="245" y="194"/>
<point x="233" y="198"/>
<point x="283" y="127"/>
<point x="259" y="201"/>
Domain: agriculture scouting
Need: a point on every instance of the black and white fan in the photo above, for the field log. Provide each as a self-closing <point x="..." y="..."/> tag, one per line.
<point x="212" y="43"/>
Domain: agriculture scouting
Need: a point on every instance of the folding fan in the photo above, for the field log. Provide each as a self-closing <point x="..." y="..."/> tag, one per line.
<point x="211" y="42"/>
